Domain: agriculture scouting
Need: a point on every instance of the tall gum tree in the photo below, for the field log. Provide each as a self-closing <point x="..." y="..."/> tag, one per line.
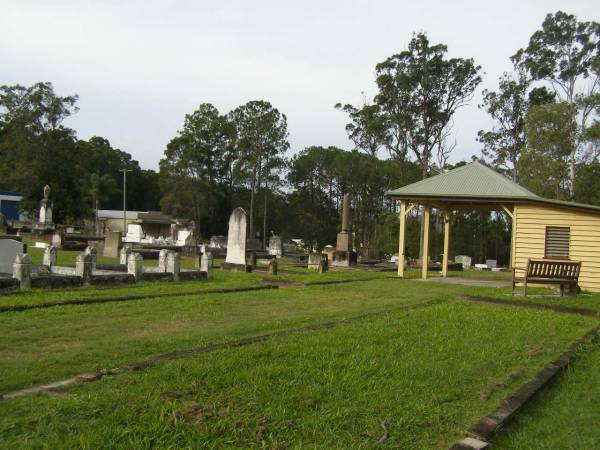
<point x="261" y="138"/>
<point x="562" y="53"/>
<point x="419" y="92"/>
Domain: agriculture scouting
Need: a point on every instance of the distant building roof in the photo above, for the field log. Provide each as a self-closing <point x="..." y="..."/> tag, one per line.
<point x="14" y="194"/>
<point x="475" y="181"/>
<point x="141" y="216"/>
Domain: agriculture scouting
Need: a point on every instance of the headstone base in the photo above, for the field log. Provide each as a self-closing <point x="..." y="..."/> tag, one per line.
<point x="231" y="267"/>
<point x="344" y="259"/>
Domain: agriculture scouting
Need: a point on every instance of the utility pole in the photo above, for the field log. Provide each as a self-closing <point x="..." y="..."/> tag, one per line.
<point x="125" y="200"/>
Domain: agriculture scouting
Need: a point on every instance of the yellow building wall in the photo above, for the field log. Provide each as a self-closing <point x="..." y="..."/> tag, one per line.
<point x="584" y="244"/>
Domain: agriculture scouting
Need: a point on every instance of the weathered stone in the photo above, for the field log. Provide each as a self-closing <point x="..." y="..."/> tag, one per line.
<point x="323" y="265"/>
<point x="112" y="242"/>
<point x="470" y="444"/>
<point x="272" y="267"/>
<point x="464" y="260"/>
<point x="9" y="249"/>
<point x="89" y="250"/>
<point x="206" y="264"/>
<point x="83" y="267"/>
<point x="22" y="270"/>
<point x="45" y="216"/>
<point x="344" y="259"/>
<point x="57" y="239"/>
<point x="162" y="260"/>
<point x="50" y="256"/>
<point x="276" y="246"/>
<point x="236" y="241"/>
<point x="314" y="259"/>
<point x="174" y="264"/>
<point x="124" y="254"/>
<point x="252" y="260"/>
<point x="135" y="265"/>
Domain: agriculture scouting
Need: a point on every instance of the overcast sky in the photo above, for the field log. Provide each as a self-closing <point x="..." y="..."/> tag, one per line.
<point x="140" y="66"/>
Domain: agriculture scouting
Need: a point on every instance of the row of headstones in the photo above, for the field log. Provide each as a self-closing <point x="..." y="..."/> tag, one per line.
<point x="85" y="264"/>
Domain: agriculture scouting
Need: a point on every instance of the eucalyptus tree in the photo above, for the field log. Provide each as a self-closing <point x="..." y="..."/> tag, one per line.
<point x="508" y="106"/>
<point x="562" y="53"/>
<point x="367" y="127"/>
<point x="197" y="165"/>
<point x="261" y="138"/>
<point x="420" y="89"/>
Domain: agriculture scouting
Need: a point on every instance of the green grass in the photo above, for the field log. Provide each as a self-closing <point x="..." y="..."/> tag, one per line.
<point x="565" y="415"/>
<point x="427" y="373"/>
<point x="221" y="280"/>
<point x="42" y="345"/>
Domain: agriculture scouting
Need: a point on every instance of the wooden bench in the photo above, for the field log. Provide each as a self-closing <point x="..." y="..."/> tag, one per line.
<point x="548" y="271"/>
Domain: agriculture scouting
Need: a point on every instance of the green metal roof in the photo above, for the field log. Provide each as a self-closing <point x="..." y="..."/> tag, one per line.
<point x="477" y="181"/>
<point x="471" y="180"/>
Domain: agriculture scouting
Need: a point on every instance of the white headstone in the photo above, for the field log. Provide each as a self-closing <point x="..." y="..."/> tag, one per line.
<point x="206" y="264"/>
<point x="236" y="238"/>
<point x="9" y="249"/>
<point x="276" y="246"/>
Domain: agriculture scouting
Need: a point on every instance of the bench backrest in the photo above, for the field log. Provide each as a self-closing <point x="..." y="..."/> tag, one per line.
<point x="549" y="268"/>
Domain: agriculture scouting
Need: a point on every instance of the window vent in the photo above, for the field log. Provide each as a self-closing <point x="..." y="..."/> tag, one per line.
<point x="557" y="242"/>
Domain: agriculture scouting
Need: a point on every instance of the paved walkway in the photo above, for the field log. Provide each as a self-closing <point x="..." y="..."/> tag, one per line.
<point x="468" y="281"/>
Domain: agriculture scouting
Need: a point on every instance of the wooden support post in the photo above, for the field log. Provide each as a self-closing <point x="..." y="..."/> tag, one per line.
<point x="446" y="243"/>
<point x="425" y="259"/>
<point x="402" y="238"/>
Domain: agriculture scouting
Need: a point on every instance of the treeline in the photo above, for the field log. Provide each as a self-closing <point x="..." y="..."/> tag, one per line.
<point x="545" y="136"/>
<point x="37" y="149"/>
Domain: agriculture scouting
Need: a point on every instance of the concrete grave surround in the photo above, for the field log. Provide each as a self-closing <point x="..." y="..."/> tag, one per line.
<point x="9" y="249"/>
<point x="236" y="238"/>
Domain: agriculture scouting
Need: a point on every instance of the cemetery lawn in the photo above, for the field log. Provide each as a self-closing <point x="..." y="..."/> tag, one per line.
<point x="566" y="412"/>
<point x="45" y="345"/>
<point x="407" y="378"/>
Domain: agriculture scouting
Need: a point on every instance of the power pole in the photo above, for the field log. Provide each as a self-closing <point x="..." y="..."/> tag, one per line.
<point x="125" y="200"/>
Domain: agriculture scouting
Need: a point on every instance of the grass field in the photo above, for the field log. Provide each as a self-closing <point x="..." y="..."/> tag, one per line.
<point x="402" y="378"/>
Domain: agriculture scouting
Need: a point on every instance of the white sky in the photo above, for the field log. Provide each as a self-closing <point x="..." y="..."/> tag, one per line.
<point x="140" y="66"/>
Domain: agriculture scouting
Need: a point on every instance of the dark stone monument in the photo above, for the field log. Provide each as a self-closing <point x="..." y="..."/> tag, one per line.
<point x="343" y="255"/>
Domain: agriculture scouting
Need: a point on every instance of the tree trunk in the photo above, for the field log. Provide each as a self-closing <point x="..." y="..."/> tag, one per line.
<point x="265" y="215"/>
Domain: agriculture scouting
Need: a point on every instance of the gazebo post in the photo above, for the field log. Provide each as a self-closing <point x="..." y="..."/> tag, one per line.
<point x="402" y="238"/>
<point x="446" y="243"/>
<point x="425" y="259"/>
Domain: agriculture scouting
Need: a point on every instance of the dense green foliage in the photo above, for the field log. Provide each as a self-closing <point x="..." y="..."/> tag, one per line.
<point x="545" y="135"/>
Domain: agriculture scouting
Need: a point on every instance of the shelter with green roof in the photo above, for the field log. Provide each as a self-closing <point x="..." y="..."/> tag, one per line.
<point x="541" y="228"/>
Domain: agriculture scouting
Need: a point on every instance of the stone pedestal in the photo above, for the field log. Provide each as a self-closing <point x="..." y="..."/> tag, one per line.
<point x="344" y="242"/>
<point x="83" y="267"/>
<point x="22" y="270"/>
<point x="135" y="266"/>
<point x="206" y="264"/>
<point x="124" y="254"/>
<point x="162" y="260"/>
<point x="89" y="250"/>
<point x="174" y="264"/>
<point x="272" y="267"/>
<point x="49" y="256"/>
<point x="344" y="259"/>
